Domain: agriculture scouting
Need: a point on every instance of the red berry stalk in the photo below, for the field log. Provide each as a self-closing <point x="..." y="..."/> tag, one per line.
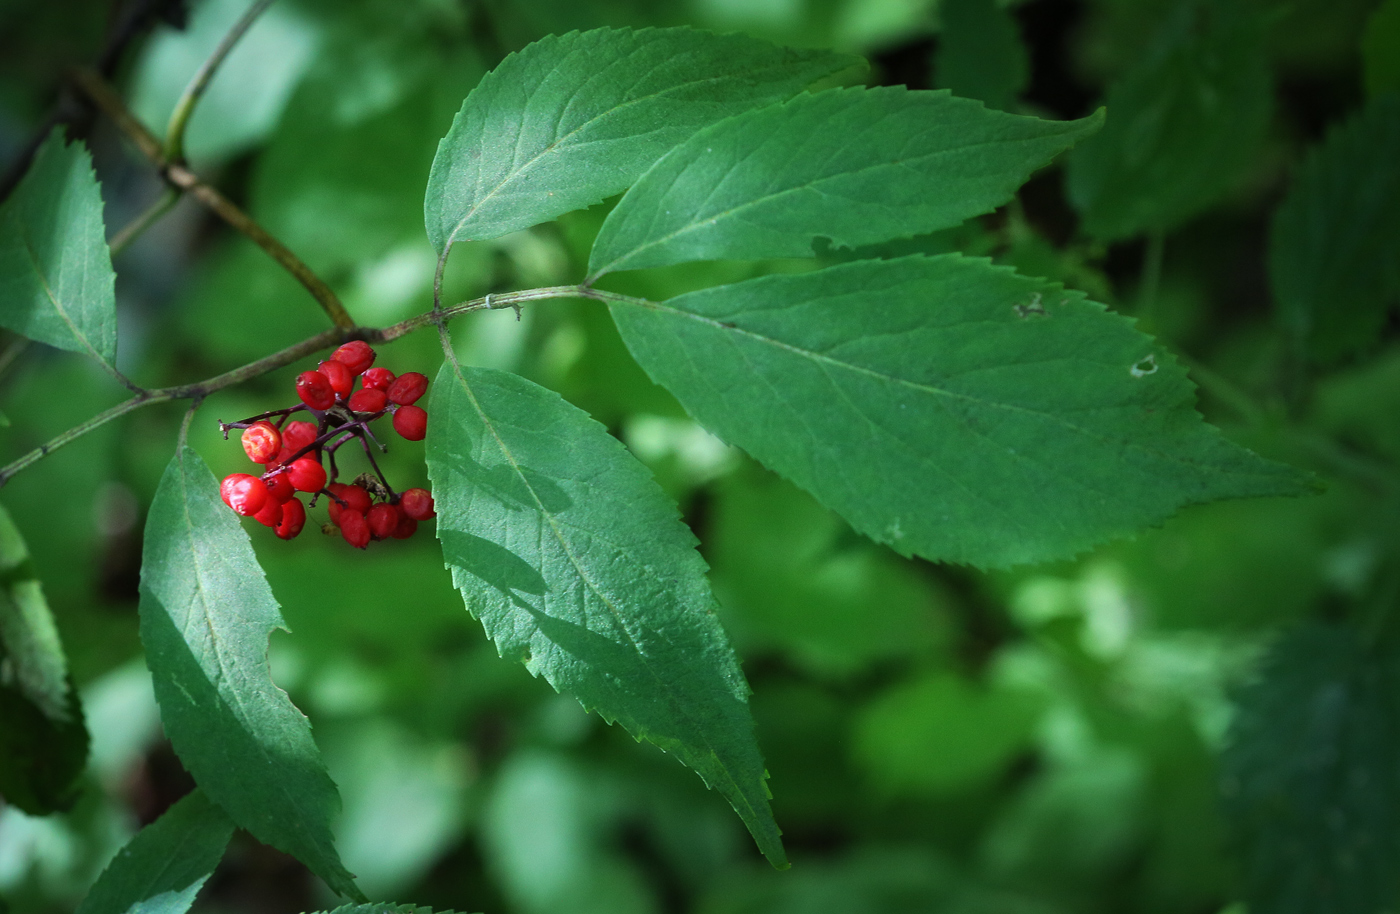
<point x="295" y="453"/>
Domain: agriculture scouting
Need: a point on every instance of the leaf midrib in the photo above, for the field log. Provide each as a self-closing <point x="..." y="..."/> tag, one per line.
<point x="33" y="256"/>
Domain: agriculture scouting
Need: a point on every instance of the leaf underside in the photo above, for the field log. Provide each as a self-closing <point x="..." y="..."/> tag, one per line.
<point x="56" y="280"/>
<point x="163" y="868"/>
<point x="206" y="614"/>
<point x="577" y="564"/>
<point x="1334" y="256"/>
<point x="952" y="409"/>
<point x="857" y="166"/>
<point x="573" y="119"/>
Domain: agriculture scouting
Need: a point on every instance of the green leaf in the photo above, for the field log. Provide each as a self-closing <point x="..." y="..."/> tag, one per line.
<point x="56" y="279"/>
<point x="1183" y="126"/>
<point x="980" y="53"/>
<point x="43" y="740"/>
<point x="1380" y="49"/>
<point x="1311" y="776"/>
<point x="163" y="868"/>
<point x="947" y="407"/>
<point x="206" y="614"/>
<point x="577" y="565"/>
<point x="941" y="734"/>
<point x="571" y="120"/>
<point x="1334" y="251"/>
<point x="857" y="166"/>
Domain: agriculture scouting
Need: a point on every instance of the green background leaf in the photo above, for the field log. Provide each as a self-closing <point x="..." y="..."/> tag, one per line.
<point x="856" y="166"/>
<point x="980" y="53"/>
<point x="577" y="564"/>
<point x="206" y="614"/>
<point x="571" y="120"/>
<point x="56" y="279"/>
<point x="949" y="408"/>
<point x="43" y="740"/>
<point x="163" y="868"/>
<point x="1334" y="252"/>
<point x="1311" y="777"/>
<point x="1183" y="125"/>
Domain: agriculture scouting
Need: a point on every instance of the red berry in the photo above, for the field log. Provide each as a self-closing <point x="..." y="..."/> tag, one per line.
<point x="270" y="515"/>
<point x="407" y="527"/>
<point x="298" y="435"/>
<point x="377" y="379"/>
<point x="339" y="375"/>
<point x="368" y="400"/>
<point x="383" y="520"/>
<point x="411" y="422"/>
<point x="293" y="519"/>
<point x="279" y="488"/>
<point x="307" y="474"/>
<point x="315" y="390"/>
<point x="417" y="504"/>
<point x="408" y="388"/>
<point x="243" y="493"/>
<point x="355" y="498"/>
<point x="357" y="356"/>
<point x="262" y="441"/>
<point x="354" y="528"/>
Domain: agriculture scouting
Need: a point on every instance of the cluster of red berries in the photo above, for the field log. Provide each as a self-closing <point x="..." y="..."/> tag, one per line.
<point x="292" y="452"/>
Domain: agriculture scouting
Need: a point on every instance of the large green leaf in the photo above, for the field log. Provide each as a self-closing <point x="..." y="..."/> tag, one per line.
<point x="163" y="868"/>
<point x="206" y="614"/>
<point x="950" y="408"/>
<point x="980" y="53"/>
<point x="857" y="166"/>
<point x="1334" y="256"/>
<point x="577" y="564"/>
<point x="1311" y="778"/>
<point x="1183" y="125"/>
<point x="43" y="742"/>
<point x="56" y="279"/>
<point x="571" y="120"/>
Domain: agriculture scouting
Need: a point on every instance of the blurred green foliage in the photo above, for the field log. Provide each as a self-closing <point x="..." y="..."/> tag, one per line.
<point x="1197" y="719"/>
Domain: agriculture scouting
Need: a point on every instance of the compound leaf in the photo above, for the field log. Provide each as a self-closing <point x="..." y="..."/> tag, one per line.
<point x="947" y="407"/>
<point x="1182" y="127"/>
<point x="163" y="868"/>
<point x="43" y="740"/>
<point x="858" y="166"/>
<point x="206" y="614"/>
<point x="56" y="280"/>
<point x="1334" y="255"/>
<point x="578" y="565"/>
<point x="1311" y="776"/>
<point x="571" y="120"/>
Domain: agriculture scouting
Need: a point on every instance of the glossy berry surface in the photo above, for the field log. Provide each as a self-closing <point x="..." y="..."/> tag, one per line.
<point x="315" y="390"/>
<point x="417" y="504"/>
<point x="355" y="498"/>
<point x="298" y="435"/>
<point x="293" y="519"/>
<point x="307" y="474"/>
<point x="270" y="515"/>
<point x="407" y="388"/>
<point x="341" y="377"/>
<point x="243" y="493"/>
<point x="356" y="355"/>
<point x="377" y="379"/>
<point x="368" y="401"/>
<point x="383" y="520"/>
<point x="354" y="528"/>
<point x="279" y="488"/>
<point x="261" y="442"/>
<point x="411" y="422"/>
